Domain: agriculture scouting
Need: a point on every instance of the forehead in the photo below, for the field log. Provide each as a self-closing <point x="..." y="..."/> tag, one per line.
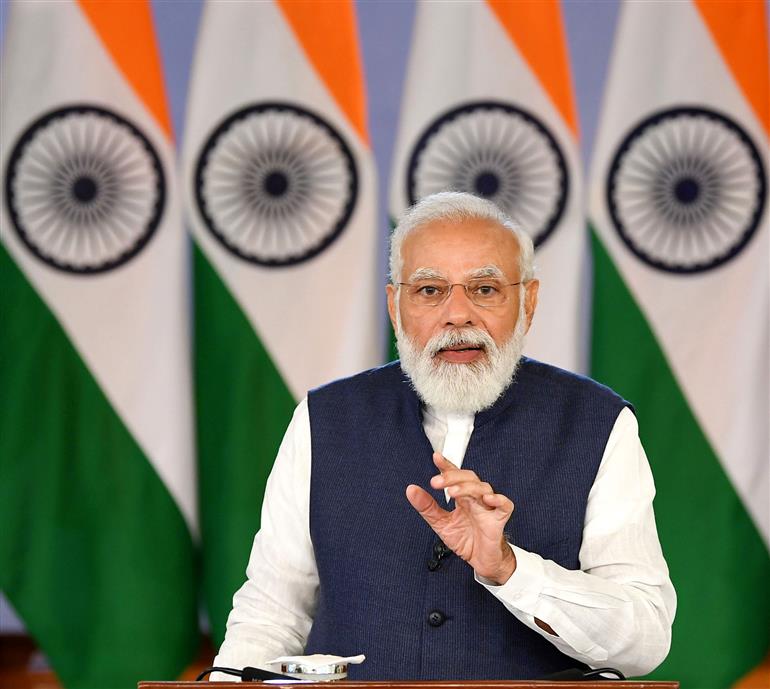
<point x="458" y="247"/>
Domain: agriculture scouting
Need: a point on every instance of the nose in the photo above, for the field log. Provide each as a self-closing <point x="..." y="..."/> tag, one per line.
<point x="458" y="309"/>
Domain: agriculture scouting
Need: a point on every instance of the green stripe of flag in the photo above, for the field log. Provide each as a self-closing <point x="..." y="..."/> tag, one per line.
<point x="719" y="564"/>
<point x="243" y="409"/>
<point x="93" y="549"/>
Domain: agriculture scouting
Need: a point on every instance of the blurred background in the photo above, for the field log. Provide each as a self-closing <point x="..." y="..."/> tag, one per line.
<point x="196" y="203"/>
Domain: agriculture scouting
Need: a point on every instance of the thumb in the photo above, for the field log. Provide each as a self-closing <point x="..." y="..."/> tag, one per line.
<point x="424" y="503"/>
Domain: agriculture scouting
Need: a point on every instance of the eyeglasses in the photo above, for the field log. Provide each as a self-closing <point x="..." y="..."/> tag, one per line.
<point x="486" y="292"/>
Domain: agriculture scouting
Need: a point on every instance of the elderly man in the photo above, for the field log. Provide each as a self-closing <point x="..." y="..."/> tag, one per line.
<point x="388" y="526"/>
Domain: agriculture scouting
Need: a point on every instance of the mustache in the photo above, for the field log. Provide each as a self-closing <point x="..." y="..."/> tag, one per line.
<point x="460" y="337"/>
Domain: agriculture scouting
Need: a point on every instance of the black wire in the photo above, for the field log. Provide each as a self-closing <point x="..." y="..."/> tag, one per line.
<point x="251" y="674"/>
<point x="248" y="674"/>
<point x="226" y="670"/>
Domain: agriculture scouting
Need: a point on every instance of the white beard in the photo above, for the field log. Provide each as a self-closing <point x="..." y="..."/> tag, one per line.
<point x="461" y="388"/>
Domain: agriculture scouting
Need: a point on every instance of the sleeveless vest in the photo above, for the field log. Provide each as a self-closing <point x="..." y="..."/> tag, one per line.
<point x="540" y="444"/>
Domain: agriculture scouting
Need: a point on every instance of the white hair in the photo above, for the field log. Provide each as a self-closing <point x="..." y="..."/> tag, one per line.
<point x="457" y="206"/>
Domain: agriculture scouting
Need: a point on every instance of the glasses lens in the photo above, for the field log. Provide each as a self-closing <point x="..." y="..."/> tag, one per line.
<point x="428" y="292"/>
<point x="487" y="292"/>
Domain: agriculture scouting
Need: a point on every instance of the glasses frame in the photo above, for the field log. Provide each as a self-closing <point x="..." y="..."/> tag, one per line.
<point x="465" y="286"/>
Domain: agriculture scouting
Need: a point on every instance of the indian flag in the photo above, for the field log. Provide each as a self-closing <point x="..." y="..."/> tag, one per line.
<point x="281" y="199"/>
<point x="488" y="108"/>
<point x="682" y="308"/>
<point x="97" y="497"/>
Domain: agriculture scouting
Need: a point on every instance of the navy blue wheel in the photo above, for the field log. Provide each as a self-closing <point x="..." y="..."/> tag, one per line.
<point x="499" y="152"/>
<point x="275" y="184"/>
<point x="686" y="190"/>
<point x="85" y="189"/>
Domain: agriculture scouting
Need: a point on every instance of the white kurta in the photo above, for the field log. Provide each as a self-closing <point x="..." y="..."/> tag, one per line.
<point x="615" y="611"/>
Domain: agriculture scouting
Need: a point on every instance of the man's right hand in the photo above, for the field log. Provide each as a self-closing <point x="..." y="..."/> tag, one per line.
<point x="474" y="529"/>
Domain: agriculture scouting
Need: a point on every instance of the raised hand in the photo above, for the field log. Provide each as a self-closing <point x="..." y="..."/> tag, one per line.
<point x="474" y="529"/>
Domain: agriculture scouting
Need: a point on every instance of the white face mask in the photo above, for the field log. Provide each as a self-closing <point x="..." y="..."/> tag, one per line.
<point x="461" y="388"/>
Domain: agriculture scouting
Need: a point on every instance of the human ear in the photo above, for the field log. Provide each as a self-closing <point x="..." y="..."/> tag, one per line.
<point x="530" y="300"/>
<point x="391" y="292"/>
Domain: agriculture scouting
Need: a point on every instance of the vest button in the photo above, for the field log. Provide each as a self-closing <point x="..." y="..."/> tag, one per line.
<point x="436" y="618"/>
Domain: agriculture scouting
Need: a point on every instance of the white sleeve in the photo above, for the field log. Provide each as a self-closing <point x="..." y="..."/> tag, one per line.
<point x="273" y="611"/>
<point x="618" y="608"/>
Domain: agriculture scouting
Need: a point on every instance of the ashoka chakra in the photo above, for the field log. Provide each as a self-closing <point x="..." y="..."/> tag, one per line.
<point x="686" y="189"/>
<point x="496" y="151"/>
<point x="84" y="188"/>
<point x="275" y="184"/>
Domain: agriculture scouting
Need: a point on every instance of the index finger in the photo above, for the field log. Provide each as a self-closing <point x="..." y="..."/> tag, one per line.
<point x="443" y="464"/>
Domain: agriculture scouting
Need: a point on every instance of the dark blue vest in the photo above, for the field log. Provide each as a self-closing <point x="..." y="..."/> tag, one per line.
<point x="540" y="444"/>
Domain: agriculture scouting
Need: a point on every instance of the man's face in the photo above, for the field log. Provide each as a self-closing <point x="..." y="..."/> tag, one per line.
<point x="458" y="251"/>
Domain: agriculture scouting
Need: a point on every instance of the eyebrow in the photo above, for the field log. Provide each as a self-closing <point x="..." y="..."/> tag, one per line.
<point x="487" y="271"/>
<point x="426" y="274"/>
